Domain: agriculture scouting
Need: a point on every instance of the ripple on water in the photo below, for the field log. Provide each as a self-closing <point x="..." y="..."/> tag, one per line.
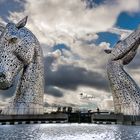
<point x="69" y="132"/>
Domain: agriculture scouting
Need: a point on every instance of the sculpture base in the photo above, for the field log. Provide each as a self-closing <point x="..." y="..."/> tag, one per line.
<point x="128" y="109"/>
<point x="30" y="109"/>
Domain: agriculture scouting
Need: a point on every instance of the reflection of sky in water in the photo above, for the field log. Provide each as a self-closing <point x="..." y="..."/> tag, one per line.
<point x="69" y="132"/>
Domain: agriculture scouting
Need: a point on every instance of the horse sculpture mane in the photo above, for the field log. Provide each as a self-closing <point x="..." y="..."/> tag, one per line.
<point x="126" y="93"/>
<point x="20" y="52"/>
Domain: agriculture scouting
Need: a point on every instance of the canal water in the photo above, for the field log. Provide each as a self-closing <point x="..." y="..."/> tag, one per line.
<point x="69" y="132"/>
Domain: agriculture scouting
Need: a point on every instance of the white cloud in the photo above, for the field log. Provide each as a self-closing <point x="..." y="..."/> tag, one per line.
<point x="52" y="19"/>
<point x="107" y="104"/>
<point x="123" y="33"/>
<point x="101" y="99"/>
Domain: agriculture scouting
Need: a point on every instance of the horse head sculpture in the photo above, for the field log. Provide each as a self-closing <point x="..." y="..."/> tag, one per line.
<point x="20" y="52"/>
<point x="126" y="93"/>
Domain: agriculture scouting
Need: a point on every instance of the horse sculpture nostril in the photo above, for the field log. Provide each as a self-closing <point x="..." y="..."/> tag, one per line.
<point x="2" y="75"/>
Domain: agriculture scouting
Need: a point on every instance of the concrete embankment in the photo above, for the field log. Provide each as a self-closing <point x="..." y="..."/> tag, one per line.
<point x="33" y="119"/>
<point x="115" y="119"/>
<point x="97" y="118"/>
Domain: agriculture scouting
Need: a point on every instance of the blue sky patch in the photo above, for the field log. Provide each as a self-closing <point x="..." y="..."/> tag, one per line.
<point x="60" y="47"/>
<point x="128" y="21"/>
<point x="92" y="3"/>
<point x="7" y="6"/>
<point x="107" y="37"/>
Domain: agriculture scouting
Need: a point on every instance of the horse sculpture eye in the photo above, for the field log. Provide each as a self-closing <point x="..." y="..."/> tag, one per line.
<point x="13" y="40"/>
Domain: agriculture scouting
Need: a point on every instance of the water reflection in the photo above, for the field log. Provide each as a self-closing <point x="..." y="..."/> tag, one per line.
<point x="69" y="132"/>
<point x="127" y="132"/>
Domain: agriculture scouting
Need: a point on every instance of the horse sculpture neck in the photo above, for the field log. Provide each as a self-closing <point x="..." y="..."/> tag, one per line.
<point x="30" y="89"/>
<point x="126" y="93"/>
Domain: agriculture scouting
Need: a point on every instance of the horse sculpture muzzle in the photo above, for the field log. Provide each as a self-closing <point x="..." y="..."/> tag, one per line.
<point x="8" y="70"/>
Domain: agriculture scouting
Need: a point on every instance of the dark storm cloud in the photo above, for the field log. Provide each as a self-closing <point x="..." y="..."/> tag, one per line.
<point x="7" y="93"/>
<point x="53" y="91"/>
<point x="70" y="77"/>
<point x="10" y="92"/>
<point x="135" y="63"/>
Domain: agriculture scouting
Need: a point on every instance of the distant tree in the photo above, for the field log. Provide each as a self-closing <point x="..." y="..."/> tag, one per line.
<point x="69" y="109"/>
<point x="58" y="109"/>
<point x="98" y="110"/>
<point x="64" y="109"/>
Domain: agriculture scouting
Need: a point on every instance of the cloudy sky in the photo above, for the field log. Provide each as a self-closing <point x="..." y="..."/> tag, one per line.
<point x="73" y="35"/>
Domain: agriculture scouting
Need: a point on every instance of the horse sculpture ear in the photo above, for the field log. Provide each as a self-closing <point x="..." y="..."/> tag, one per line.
<point x="22" y="22"/>
<point x="108" y="51"/>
